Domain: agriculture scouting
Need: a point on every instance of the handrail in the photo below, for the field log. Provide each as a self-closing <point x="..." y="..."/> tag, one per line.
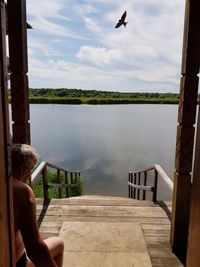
<point x="71" y="179"/>
<point x="135" y="185"/>
<point x="61" y="169"/>
<point x="38" y="171"/>
<point x="164" y="176"/>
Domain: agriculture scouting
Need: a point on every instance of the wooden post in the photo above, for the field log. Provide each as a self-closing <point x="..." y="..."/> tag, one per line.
<point x="66" y="182"/>
<point x="79" y="183"/>
<point x="17" y="33"/>
<point x="129" y="187"/>
<point x="154" y="198"/>
<point x="193" y="255"/>
<point x="59" y="182"/>
<point x="45" y="184"/>
<point x="138" y="191"/>
<point x="145" y="183"/>
<point x="185" y="129"/>
<point x="134" y="190"/>
<point x="7" y="237"/>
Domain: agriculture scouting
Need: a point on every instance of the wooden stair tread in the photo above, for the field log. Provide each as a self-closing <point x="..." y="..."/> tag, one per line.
<point x="152" y="219"/>
<point x="98" y="200"/>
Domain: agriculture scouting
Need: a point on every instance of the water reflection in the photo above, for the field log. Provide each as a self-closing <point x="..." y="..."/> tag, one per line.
<point x="106" y="142"/>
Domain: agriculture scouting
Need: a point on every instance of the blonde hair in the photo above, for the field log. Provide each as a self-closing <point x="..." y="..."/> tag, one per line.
<point x="22" y="156"/>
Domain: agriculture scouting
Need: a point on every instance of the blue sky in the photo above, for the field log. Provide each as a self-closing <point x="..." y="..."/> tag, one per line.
<point x="74" y="44"/>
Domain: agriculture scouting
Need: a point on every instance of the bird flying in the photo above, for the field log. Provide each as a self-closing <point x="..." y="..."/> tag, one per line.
<point x="122" y="20"/>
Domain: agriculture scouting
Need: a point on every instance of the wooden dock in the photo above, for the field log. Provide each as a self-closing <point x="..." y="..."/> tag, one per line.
<point x="108" y="231"/>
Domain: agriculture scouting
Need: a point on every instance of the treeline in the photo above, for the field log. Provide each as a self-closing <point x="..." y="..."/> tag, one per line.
<point x="94" y="97"/>
<point x="98" y="101"/>
<point x="79" y="93"/>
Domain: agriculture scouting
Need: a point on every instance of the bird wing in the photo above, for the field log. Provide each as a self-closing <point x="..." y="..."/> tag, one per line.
<point x="118" y="24"/>
<point x="124" y="16"/>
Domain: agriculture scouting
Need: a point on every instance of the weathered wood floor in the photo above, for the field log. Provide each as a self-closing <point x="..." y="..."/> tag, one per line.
<point x="152" y="219"/>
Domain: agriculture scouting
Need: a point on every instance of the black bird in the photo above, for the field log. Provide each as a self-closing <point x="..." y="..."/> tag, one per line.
<point x="122" y="20"/>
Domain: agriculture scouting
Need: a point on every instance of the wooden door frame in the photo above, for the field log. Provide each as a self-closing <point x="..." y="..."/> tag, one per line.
<point x="193" y="255"/>
<point x="185" y="130"/>
<point x="7" y="240"/>
<point x="18" y="66"/>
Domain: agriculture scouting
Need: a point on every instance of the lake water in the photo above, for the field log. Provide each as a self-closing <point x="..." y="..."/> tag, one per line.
<point x="106" y="142"/>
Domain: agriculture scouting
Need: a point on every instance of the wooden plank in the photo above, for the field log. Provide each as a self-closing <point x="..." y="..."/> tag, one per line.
<point x="7" y="249"/>
<point x="61" y="169"/>
<point x="164" y="176"/>
<point x="141" y="187"/>
<point x="37" y="171"/>
<point x="50" y="230"/>
<point x="160" y="252"/>
<point x="146" y="226"/>
<point x="60" y="185"/>
<point x="188" y="99"/>
<point x="184" y="149"/>
<point x="191" y="41"/>
<point x="61" y="218"/>
<point x="185" y="130"/>
<point x="180" y="214"/>
<point x="155" y="229"/>
<point x="19" y="67"/>
<point x="104" y="211"/>
<point x="50" y="224"/>
<point x="157" y="240"/>
<point x="110" y="201"/>
<point x="164" y="262"/>
<point x="193" y="255"/>
<point x="156" y="232"/>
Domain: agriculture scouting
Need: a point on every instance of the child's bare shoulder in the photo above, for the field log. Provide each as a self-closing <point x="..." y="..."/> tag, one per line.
<point x="23" y="192"/>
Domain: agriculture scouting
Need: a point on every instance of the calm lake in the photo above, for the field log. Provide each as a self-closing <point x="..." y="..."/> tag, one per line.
<point x="106" y="142"/>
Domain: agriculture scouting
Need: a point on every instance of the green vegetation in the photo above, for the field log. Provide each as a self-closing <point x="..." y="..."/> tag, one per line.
<point x="94" y="97"/>
<point x="53" y="192"/>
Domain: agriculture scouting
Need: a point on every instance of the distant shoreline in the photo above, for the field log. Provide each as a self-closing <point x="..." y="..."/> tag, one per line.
<point x="94" y="97"/>
<point x="98" y="101"/>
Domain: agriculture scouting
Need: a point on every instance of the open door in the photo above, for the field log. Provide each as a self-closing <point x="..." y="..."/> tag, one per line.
<point x="7" y="258"/>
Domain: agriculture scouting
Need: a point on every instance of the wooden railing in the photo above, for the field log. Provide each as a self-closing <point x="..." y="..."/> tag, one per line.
<point x="71" y="179"/>
<point x="137" y="182"/>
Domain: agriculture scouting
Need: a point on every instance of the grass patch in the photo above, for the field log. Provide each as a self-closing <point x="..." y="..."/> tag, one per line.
<point x="53" y="192"/>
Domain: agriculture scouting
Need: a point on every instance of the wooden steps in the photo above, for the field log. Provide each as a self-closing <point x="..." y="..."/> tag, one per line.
<point x="98" y="201"/>
<point x="152" y="219"/>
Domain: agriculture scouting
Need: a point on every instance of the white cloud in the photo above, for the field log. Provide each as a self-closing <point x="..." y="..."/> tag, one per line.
<point x="85" y="8"/>
<point x="99" y="56"/>
<point x="92" y="25"/>
<point x="43" y="25"/>
<point x="38" y="48"/>
<point x="46" y="8"/>
<point x="146" y="53"/>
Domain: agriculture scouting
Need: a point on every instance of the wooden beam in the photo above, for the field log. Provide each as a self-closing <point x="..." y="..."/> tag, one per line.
<point x="17" y="33"/>
<point x="185" y="130"/>
<point x="7" y="240"/>
<point x="193" y="255"/>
